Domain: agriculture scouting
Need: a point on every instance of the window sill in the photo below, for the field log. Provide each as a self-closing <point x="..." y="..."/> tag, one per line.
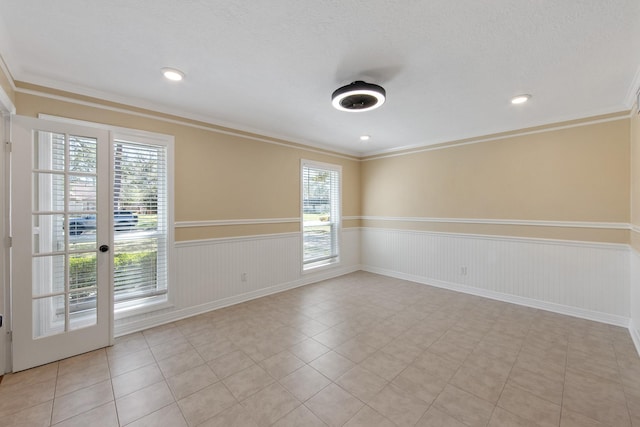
<point x="312" y="268"/>
<point x="133" y="308"/>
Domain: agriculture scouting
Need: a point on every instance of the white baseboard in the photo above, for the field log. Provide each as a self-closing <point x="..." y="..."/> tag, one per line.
<point x="164" y="318"/>
<point x="527" y="302"/>
<point x="635" y="335"/>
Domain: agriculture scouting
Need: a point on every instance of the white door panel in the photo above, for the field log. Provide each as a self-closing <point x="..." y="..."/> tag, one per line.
<point x="61" y="294"/>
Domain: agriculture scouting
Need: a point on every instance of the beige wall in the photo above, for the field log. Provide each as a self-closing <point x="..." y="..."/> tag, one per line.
<point x="578" y="173"/>
<point x="635" y="177"/>
<point x="5" y="84"/>
<point x="220" y="176"/>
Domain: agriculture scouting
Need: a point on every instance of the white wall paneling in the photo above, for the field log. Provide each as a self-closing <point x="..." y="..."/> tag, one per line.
<point x="588" y="280"/>
<point x="634" y="298"/>
<point x="209" y="274"/>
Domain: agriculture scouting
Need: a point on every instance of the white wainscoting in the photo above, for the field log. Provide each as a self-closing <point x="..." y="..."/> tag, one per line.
<point x="634" y="298"/>
<point x="588" y="280"/>
<point x="208" y="274"/>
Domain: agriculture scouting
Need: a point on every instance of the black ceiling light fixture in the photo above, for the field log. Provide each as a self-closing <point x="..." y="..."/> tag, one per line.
<point x="358" y="96"/>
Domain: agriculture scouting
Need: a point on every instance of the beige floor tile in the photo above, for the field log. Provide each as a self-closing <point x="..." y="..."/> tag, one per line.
<point x="270" y="404"/>
<point x="179" y="363"/>
<point x="168" y="416"/>
<point x="573" y="419"/>
<point x="480" y="381"/>
<point x="235" y="416"/>
<point x="464" y="406"/>
<point x="600" y="400"/>
<point x="367" y="417"/>
<point x="161" y="334"/>
<point x="399" y="406"/>
<point x="355" y="350"/>
<point x="310" y="327"/>
<point x="17" y="397"/>
<point x="215" y="349"/>
<point x="423" y="384"/>
<point x="31" y="376"/>
<point x="384" y="365"/>
<point x="333" y="337"/>
<point x="102" y="416"/>
<point x="299" y="417"/>
<point x="248" y="381"/>
<point x="308" y="350"/>
<point x="230" y="363"/>
<point x="206" y="403"/>
<point x="171" y="348"/>
<point x="305" y="382"/>
<point x="332" y="365"/>
<point x="82" y="362"/>
<point x="81" y="401"/>
<point x="122" y="364"/>
<point x="591" y="365"/>
<point x="282" y="364"/>
<point x="436" y="418"/>
<point x="34" y="416"/>
<point x="127" y="344"/>
<point x="84" y="376"/>
<point x="136" y="380"/>
<point x="334" y="406"/>
<point x="143" y="402"/>
<point x="188" y="382"/>
<point x="504" y="418"/>
<point x="528" y="406"/>
<point x="541" y="386"/>
<point x="361" y="383"/>
<point x="402" y="349"/>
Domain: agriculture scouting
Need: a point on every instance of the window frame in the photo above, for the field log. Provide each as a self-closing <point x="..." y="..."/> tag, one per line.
<point x="165" y="301"/>
<point x="335" y="223"/>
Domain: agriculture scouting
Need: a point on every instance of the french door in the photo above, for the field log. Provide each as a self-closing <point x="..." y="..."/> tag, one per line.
<point x="61" y="287"/>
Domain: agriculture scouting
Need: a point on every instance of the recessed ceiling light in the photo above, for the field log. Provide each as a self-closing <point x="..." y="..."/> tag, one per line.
<point x="358" y="96"/>
<point x="520" y="99"/>
<point x="365" y="137"/>
<point x="172" y="74"/>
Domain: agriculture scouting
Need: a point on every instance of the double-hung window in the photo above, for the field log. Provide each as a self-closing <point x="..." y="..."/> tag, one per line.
<point x="320" y="213"/>
<point x="141" y="220"/>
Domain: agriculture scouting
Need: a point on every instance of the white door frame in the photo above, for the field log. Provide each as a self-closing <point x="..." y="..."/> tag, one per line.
<point x="6" y="110"/>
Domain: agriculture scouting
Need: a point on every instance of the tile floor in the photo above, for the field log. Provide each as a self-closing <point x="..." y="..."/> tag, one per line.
<point x="359" y="350"/>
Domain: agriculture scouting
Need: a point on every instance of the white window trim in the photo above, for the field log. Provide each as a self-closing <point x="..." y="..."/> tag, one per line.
<point x="311" y="268"/>
<point x="127" y="134"/>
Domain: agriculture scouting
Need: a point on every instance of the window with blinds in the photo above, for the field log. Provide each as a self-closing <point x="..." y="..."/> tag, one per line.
<point x="140" y="222"/>
<point x="320" y="213"/>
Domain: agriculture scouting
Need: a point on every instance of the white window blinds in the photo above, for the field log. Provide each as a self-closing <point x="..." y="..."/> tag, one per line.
<point x="320" y="213"/>
<point x="140" y="220"/>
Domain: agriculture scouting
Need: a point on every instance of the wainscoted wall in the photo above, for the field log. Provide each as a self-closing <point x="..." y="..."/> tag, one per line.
<point x="589" y="280"/>
<point x="634" y="297"/>
<point x="208" y="273"/>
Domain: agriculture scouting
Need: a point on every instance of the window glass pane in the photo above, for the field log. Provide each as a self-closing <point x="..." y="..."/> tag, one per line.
<point x="82" y="270"/>
<point x="140" y="221"/>
<point x="320" y="213"/>
<point x="48" y="192"/>
<point x="48" y="151"/>
<point x="48" y="233"/>
<point x="82" y="309"/>
<point x="47" y="275"/>
<point x="82" y="193"/>
<point x="48" y="316"/>
<point x="82" y="154"/>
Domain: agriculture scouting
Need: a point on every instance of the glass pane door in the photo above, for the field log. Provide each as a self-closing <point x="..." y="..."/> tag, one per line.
<point x="60" y="202"/>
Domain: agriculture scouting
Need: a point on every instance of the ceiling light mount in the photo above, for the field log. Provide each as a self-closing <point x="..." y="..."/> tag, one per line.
<point x="358" y="96"/>
<point x="172" y="74"/>
<point x="520" y="99"/>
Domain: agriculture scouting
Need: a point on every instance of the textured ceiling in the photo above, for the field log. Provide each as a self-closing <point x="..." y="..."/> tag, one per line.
<point x="449" y="67"/>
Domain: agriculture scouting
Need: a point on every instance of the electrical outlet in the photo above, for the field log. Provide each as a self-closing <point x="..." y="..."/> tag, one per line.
<point x="243" y="277"/>
<point x="463" y="270"/>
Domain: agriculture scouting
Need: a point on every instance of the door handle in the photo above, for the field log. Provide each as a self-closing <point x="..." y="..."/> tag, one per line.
<point x="104" y="248"/>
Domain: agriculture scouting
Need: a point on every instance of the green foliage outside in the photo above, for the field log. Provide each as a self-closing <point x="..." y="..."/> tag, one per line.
<point x="82" y="270"/>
